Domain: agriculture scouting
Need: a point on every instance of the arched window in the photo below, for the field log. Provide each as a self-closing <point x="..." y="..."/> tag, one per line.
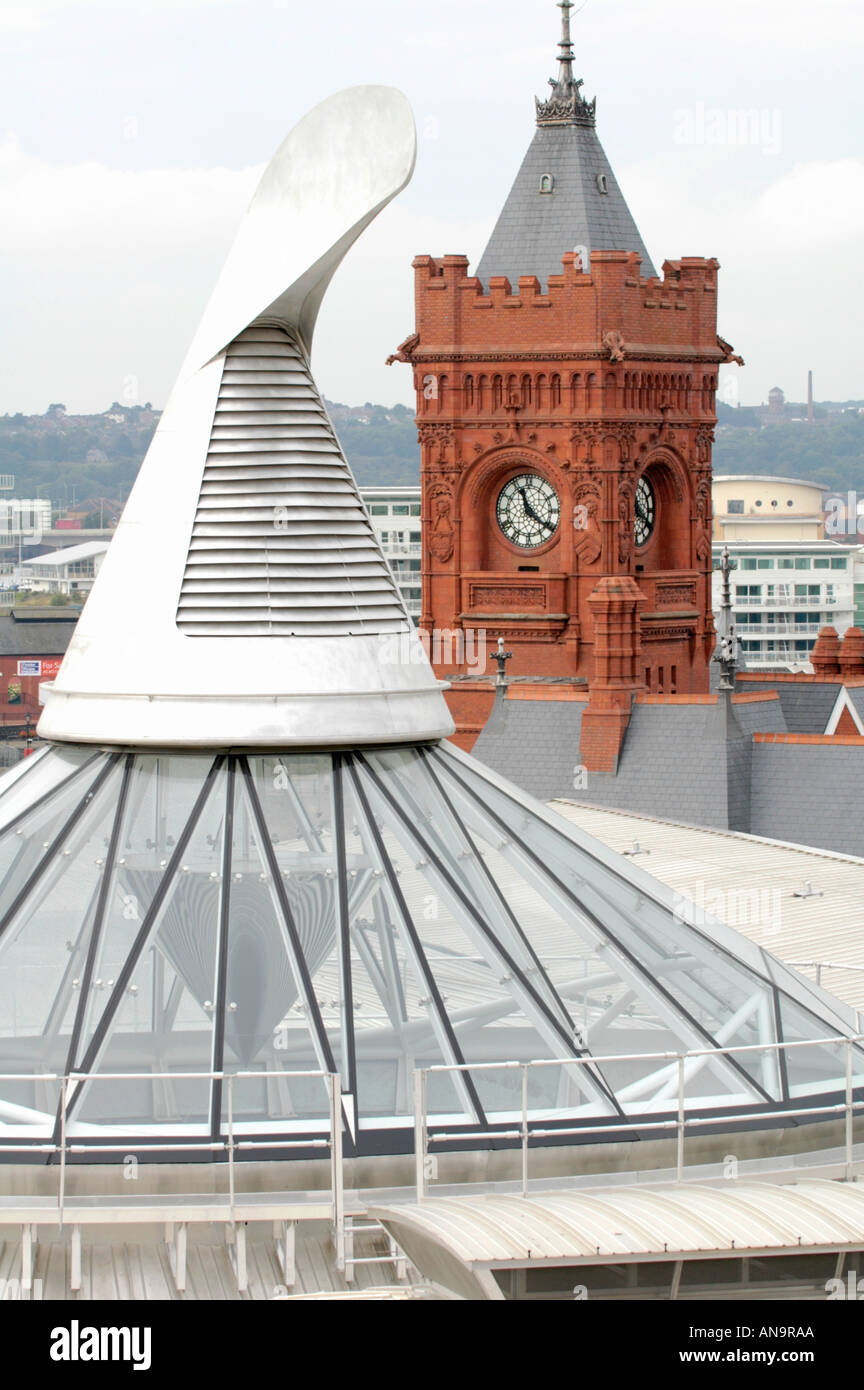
<point x="547" y="183"/>
<point x="555" y="392"/>
<point x="497" y="392"/>
<point x="468" y="390"/>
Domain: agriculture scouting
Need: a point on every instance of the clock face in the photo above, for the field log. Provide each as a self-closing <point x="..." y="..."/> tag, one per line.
<point x="645" y="512"/>
<point x="528" y="510"/>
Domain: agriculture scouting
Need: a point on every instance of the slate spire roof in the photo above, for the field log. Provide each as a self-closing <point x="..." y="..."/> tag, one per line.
<point x="565" y="195"/>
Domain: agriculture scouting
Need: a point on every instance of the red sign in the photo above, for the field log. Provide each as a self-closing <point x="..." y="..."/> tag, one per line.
<point x="68" y="523"/>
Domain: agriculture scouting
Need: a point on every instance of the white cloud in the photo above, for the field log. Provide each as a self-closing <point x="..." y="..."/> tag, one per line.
<point x="824" y="200"/>
<point x="105" y="273"/>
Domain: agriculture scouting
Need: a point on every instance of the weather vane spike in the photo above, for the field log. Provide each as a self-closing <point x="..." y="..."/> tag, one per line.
<point x="566" y="105"/>
<point x="565" y="57"/>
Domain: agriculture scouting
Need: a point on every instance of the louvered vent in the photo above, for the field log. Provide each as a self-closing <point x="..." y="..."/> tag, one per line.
<point x="281" y="544"/>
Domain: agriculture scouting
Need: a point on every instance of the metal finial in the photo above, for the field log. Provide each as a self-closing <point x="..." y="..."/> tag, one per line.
<point x="727" y="654"/>
<point x="566" y="106"/>
<point x="501" y="659"/>
<point x="565" y="57"/>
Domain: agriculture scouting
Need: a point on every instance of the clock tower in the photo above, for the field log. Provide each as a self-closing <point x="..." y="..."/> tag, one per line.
<point x="566" y="408"/>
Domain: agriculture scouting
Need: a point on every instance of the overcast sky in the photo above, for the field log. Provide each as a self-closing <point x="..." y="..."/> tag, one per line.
<point x="132" y="135"/>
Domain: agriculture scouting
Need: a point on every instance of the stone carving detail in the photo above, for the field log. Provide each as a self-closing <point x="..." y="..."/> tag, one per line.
<point x="703" y="503"/>
<point x="586" y="523"/>
<point x="432" y="435"/>
<point x="704" y="440"/>
<point x="508" y="595"/>
<point x="615" y="343"/>
<point x="625" y="522"/>
<point x="442" y="536"/>
<point x="676" y="595"/>
<point x="650" y="633"/>
<point x="526" y="634"/>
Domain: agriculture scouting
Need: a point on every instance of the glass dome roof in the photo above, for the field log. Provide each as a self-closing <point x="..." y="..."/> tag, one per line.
<point x="361" y="914"/>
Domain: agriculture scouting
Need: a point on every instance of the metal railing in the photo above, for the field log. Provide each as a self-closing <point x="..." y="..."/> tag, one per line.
<point x="228" y="1143"/>
<point x="785" y="601"/>
<point x="679" y="1063"/>
<point x="820" y="965"/>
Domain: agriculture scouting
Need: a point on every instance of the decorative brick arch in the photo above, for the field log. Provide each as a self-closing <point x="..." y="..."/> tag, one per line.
<point x="475" y="484"/>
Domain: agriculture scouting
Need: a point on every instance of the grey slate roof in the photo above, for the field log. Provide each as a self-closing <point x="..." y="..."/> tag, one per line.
<point x="856" y="695"/>
<point x="809" y="794"/>
<point x="535" y="229"/>
<point x="806" y="704"/>
<point x="536" y="745"/>
<point x="34" y="638"/>
<point x="695" y="764"/>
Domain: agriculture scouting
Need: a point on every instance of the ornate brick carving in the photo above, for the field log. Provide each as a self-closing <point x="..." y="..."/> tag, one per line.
<point x="510" y="596"/>
<point x="625" y="521"/>
<point x="443" y="532"/>
<point x="586" y="522"/>
<point x="672" y="595"/>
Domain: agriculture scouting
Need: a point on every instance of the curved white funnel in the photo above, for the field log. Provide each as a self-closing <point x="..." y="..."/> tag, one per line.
<point x="244" y="600"/>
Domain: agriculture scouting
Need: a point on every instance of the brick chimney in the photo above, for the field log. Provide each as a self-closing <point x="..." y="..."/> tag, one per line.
<point x="825" y="653"/>
<point x="851" y="655"/>
<point x="615" y="604"/>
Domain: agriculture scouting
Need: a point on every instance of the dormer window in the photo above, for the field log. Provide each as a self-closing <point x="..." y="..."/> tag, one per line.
<point x="547" y="183"/>
<point x="601" y="184"/>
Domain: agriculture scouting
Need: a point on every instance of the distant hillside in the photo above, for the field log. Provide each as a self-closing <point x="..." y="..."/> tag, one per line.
<point x="830" y="451"/>
<point x="70" y="458"/>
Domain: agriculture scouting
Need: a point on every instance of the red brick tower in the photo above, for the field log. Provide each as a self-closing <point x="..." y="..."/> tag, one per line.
<point x="566" y="407"/>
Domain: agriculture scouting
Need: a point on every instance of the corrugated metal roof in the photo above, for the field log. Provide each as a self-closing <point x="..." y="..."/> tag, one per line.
<point x="129" y="1264"/>
<point x="750" y="883"/>
<point x="634" y="1223"/>
<point x="70" y="554"/>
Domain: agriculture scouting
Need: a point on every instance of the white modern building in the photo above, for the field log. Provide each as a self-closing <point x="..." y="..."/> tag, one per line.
<point x="789" y="580"/>
<point x="395" y="515"/>
<point x="69" y="571"/>
<point x="27" y="517"/>
<point x="783" y="593"/>
<point x="754" y="507"/>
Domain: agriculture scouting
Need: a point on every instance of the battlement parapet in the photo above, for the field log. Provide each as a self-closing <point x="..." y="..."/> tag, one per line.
<point x="581" y="308"/>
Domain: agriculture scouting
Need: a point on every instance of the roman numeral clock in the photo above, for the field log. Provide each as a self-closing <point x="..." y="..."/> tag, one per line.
<point x="528" y="511"/>
<point x="645" y="510"/>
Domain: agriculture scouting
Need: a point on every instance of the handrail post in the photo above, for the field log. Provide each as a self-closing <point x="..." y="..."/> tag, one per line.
<point x="61" y="1194"/>
<point x="336" y="1174"/>
<point x="524" y="1129"/>
<point x="680" y="1162"/>
<point x="849" y="1111"/>
<point x="230" y="1087"/>
<point x="420" y="1132"/>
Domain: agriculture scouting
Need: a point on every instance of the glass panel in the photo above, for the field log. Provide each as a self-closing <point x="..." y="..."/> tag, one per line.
<point x="396" y="1026"/>
<point x="499" y="1007"/>
<point x="23" y="847"/>
<point x="43" y="953"/>
<point x="267" y="1027"/>
<point x="697" y="988"/>
<point x="819" y="1067"/>
<point x="161" y="796"/>
<point x="35" y="776"/>
<point x="164" y="1022"/>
